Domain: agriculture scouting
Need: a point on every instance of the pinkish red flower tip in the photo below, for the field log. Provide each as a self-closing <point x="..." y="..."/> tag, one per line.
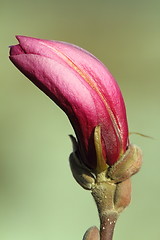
<point x="82" y="87"/>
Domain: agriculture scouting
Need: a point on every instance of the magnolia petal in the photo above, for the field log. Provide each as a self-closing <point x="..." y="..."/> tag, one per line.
<point x="94" y="73"/>
<point x="82" y="86"/>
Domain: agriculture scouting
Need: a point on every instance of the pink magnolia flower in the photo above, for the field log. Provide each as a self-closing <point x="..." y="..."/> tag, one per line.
<point x="82" y="87"/>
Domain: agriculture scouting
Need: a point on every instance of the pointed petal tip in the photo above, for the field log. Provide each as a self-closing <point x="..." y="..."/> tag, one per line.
<point x="19" y="37"/>
<point x="22" y="38"/>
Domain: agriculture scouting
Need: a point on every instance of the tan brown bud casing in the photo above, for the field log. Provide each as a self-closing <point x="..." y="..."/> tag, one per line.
<point x="122" y="196"/>
<point x="127" y="165"/>
<point x="80" y="172"/>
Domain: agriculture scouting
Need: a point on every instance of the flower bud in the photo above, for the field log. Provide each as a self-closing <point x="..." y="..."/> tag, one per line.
<point x="92" y="234"/>
<point x="83" y="88"/>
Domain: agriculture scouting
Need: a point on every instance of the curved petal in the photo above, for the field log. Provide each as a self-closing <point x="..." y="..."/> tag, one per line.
<point x="82" y="87"/>
<point x="99" y="77"/>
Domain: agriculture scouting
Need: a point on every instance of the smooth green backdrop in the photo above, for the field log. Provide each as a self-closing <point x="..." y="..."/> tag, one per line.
<point x="39" y="200"/>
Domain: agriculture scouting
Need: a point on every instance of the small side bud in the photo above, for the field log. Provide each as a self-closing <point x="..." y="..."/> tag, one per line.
<point x="92" y="234"/>
<point x="127" y="165"/>
<point x="122" y="196"/>
<point x="81" y="173"/>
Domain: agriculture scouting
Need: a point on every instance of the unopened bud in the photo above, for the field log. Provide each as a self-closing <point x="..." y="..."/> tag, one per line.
<point x="92" y="234"/>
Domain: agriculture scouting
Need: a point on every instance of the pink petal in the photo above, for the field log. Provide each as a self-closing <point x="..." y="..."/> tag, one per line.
<point x="82" y="86"/>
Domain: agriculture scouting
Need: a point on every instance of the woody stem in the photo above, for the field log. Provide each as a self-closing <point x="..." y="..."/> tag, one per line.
<point x="103" y="194"/>
<point x="107" y="224"/>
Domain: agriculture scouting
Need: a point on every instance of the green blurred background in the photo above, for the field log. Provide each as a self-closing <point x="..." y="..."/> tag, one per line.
<point x="39" y="200"/>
